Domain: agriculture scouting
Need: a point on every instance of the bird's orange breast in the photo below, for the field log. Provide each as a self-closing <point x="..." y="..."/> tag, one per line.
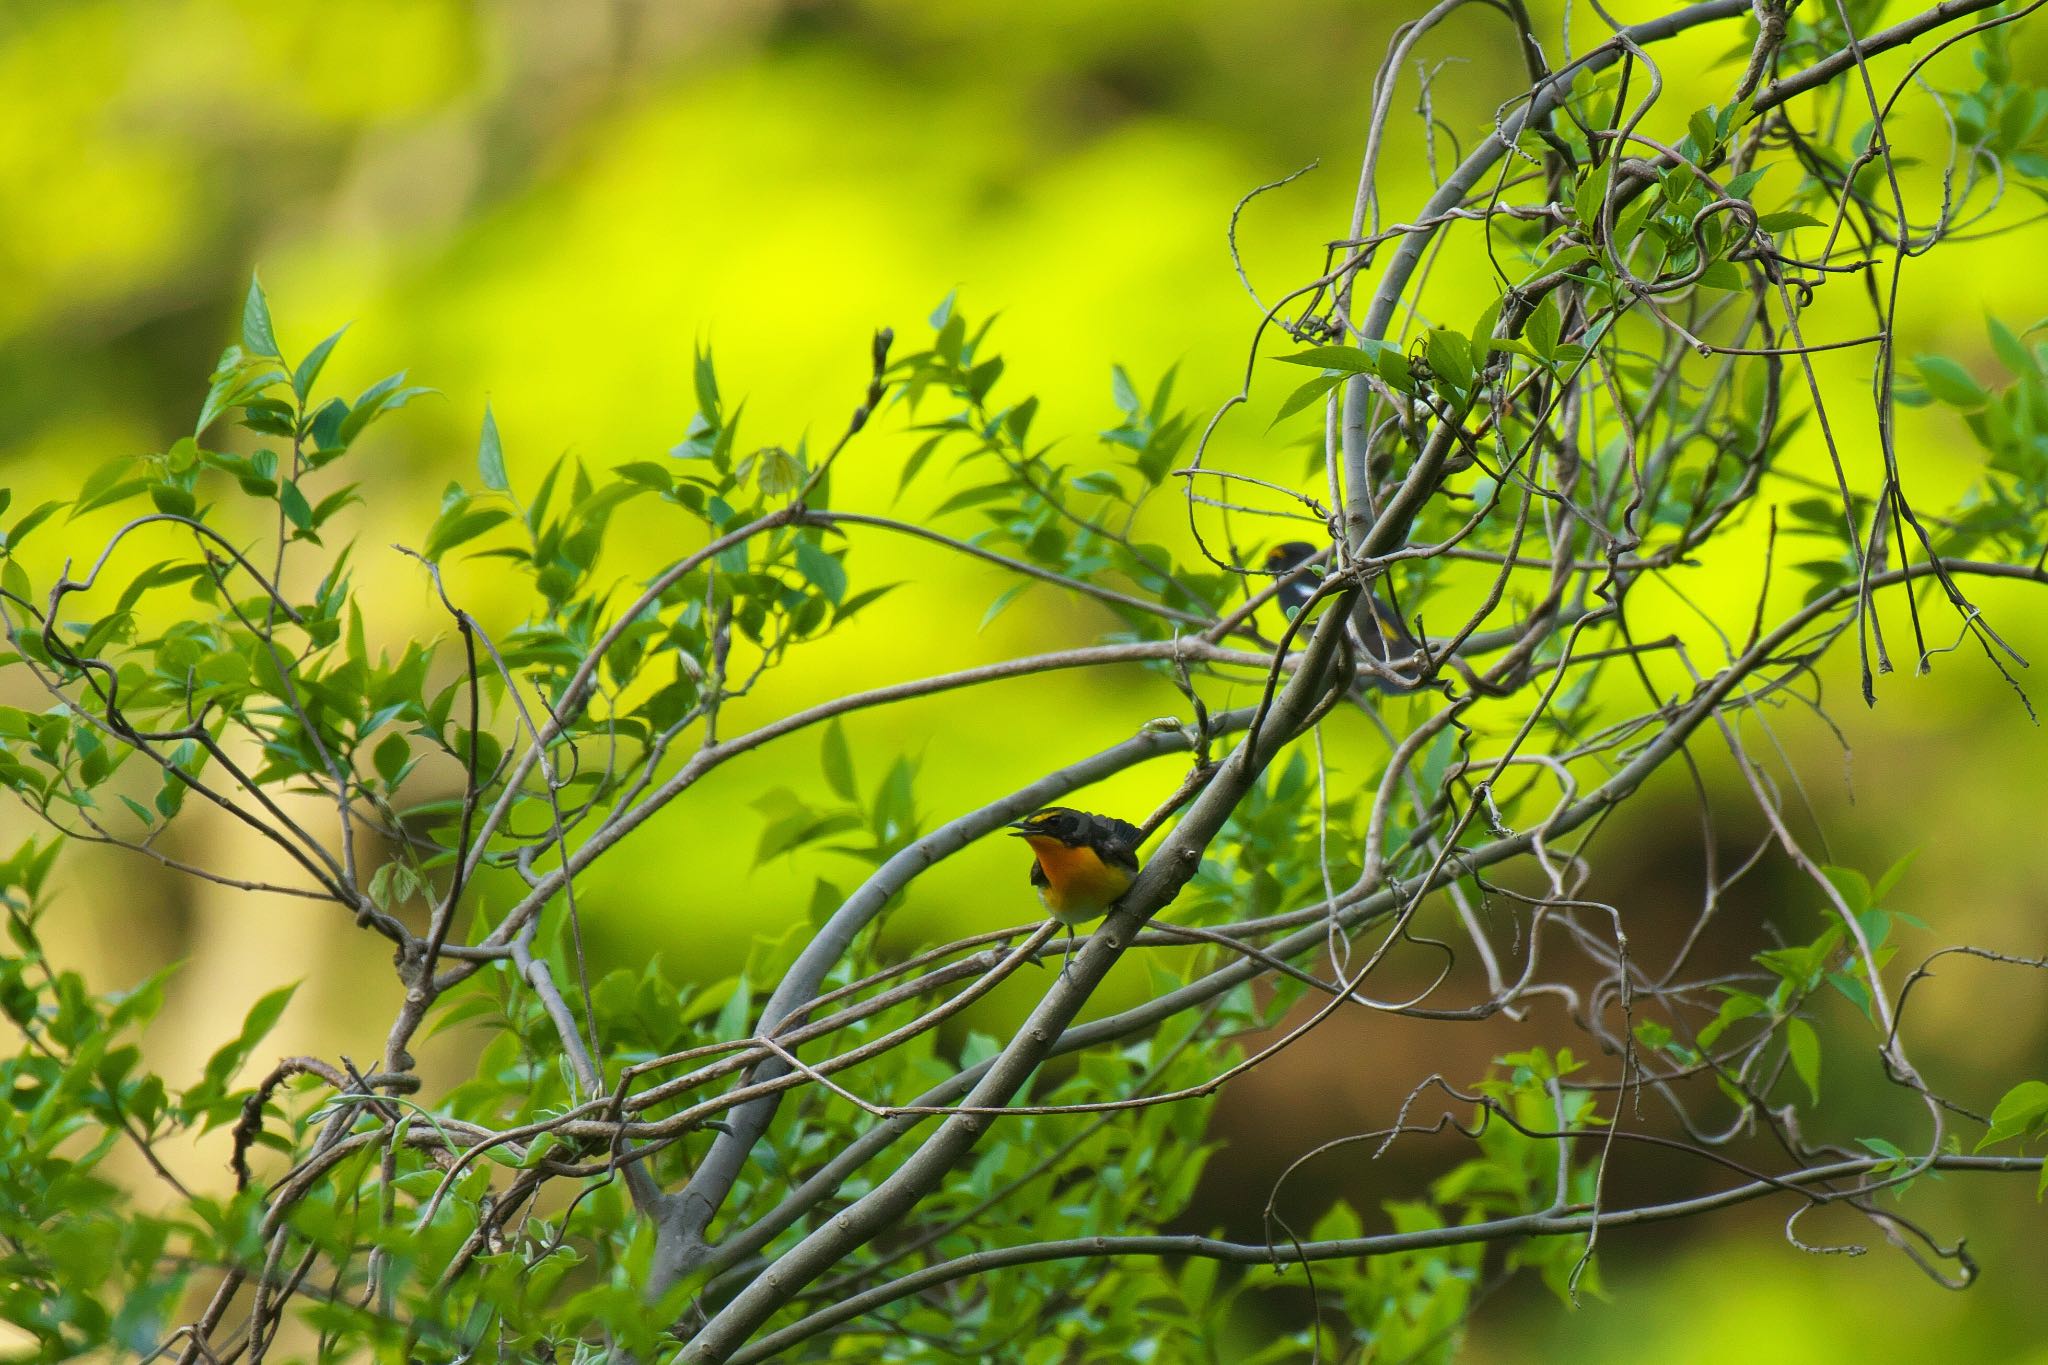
<point x="1079" y="885"/>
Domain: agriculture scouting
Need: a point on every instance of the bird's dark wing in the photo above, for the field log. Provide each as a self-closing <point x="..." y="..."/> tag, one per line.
<point x="1038" y="874"/>
<point x="1378" y="630"/>
<point x="1119" y="843"/>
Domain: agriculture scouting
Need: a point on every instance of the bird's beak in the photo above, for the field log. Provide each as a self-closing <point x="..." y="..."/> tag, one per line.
<point x="1018" y="828"/>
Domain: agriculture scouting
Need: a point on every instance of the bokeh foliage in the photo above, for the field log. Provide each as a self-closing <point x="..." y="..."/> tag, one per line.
<point x="792" y="594"/>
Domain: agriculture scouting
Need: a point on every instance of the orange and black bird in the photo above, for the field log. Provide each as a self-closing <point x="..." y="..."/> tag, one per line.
<point x="1375" y="632"/>
<point x="1081" y="864"/>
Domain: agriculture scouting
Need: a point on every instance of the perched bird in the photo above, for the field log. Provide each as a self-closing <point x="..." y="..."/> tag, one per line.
<point x="1284" y="558"/>
<point x="1081" y="863"/>
<point x="1376" y="630"/>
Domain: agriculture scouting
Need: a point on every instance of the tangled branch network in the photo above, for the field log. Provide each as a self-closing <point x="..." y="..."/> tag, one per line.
<point x="1496" y="607"/>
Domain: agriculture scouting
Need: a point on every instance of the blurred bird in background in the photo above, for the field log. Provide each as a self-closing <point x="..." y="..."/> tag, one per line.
<point x="1376" y="631"/>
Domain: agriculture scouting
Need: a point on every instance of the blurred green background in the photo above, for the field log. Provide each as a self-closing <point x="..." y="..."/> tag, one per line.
<point x="548" y="206"/>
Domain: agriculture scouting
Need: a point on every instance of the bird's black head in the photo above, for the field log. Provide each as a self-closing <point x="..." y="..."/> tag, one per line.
<point x="1289" y="554"/>
<point x="1284" y="558"/>
<point x="1071" y="827"/>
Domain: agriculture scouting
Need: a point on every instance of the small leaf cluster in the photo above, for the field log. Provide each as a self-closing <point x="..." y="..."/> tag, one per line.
<point x="1081" y="522"/>
<point x="82" y="1269"/>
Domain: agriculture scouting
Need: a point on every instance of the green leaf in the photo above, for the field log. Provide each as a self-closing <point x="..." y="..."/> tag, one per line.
<point x="1017" y="421"/>
<point x="221" y="1067"/>
<point x="1002" y="602"/>
<point x="392" y="885"/>
<point x="1394" y="369"/>
<point x="837" y="761"/>
<point x="1739" y="186"/>
<point x="2011" y="351"/>
<point x="296" y="509"/>
<point x="1720" y="275"/>
<point x="824" y="570"/>
<point x="861" y="599"/>
<point x="1852" y="886"/>
<point x="1786" y="219"/>
<point x="1544" y="327"/>
<point x="1124" y="392"/>
<point x="1362" y="359"/>
<point x="2022" y="1109"/>
<point x="29" y="521"/>
<point x="1804" y="1045"/>
<point x="1591" y="193"/>
<point x="325" y="429"/>
<point x="1162" y="395"/>
<point x="706" y="378"/>
<point x="1892" y="876"/>
<point x="1701" y="127"/>
<point x="14" y="579"/>
<point x="1733" y="116"/>
<point x="779" y="472"/>
<point x="1949" y="382"/>
<point x="1628" y="225"/>
<point x="258" y="338"/>
<point x="106" y="485"/>
<point x="390" y="758"/>
<point x="385" y="396"/>
<point x="309" y="368"/>
<point x="1450" y="355"/>
<point x="170" y="498"/>
<point x="1801" y="964"/>
<point x="460" y="524"/>
<point x="1308" y="393"/>
<point x="647" y="474"/>
<point x="951" y="338"/>
<point x="1566" y="259"/>
<point x="490" y="455"/>
<point x="732" y="1017"/>
<point x="802" y="827"/>
<point x="973" y="497"/>
<point x="1483" y="328"/>
<point x="1739" y="1005"/>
